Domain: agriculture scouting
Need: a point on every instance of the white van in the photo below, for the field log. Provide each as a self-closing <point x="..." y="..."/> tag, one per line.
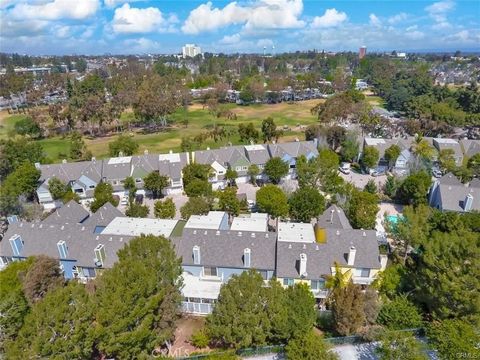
<point x="344" y="167"/>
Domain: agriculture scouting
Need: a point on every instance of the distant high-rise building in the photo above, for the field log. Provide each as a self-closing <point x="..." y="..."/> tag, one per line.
<point x="362" y="52"/>
<point x="191" y="50"/>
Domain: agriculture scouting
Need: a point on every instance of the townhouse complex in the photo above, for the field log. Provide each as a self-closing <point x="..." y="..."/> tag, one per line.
<point x="212" y="248"/>
<point x="449" y="194"/>
<point x="84" y="176"/>
<point x="462" y="149"/>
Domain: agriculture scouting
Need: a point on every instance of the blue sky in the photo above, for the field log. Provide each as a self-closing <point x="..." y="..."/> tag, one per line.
<point x="163" y="26"/>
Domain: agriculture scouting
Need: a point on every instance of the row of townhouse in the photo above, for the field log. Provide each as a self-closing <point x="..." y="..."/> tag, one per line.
<point x="212" y="248"/>
<point x="462" y="149"/>
<point x="84" y="176"/>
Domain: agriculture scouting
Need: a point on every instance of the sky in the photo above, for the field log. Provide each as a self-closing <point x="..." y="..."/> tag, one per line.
<point x="60" y="27"/>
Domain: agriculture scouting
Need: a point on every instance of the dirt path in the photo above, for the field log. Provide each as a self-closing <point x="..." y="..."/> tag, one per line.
<point x="185" y="328"/>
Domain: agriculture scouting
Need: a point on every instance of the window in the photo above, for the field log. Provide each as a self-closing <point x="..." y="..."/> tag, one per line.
<point x="362" y="272"/>
<point x="88" y="272"/>
<point x="210" y="271"/>
<point x="317" y="284"/>
<point x="98" y="229"/>
<point x="288" y="282"/>
<point x="79" y="191"/>
<point x="138" y="180"/>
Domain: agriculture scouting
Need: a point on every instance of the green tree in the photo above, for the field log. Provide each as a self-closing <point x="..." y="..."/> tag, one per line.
<point x="130" y="186"/>
<point x="193" y="172"/>
<point x="269" y="130"/>
<point x="300" y="305"/>
<point x="272" y="200"/>
<point x="241" y="302"/>
<point x="452" y="337"/>
<point x="27" y="126"/>
<point x="231" y="175"/>
<point x="371" y="305"/>
<point x="350" y="148"/>
<point x="347" y="305"/>
<point x="474" y="164"/>
<point x="392" y="153"/>
<point x="78" y="149"/>
<point x="399" y="313"/>
<point x="60" y="326"/>
<point x="164" y="209"/>
<point x="446" y="159"/>
<point x="102" y="194"/>
<point x="228" y="201"/>
<point x="137" y="210"/>
<point x="306" y="203"/>
<point x="276" y="169"/>
<point x="248" y="132"/>
<point x="395" y="345"/>
<point x="445" y="275"/>
<point x="389" y="281"/>
<point x="195" y="206"/>
<point x="371" y="187"/>
<point x="198" y="187"/>
<point x="123" y="144"/>
<point x="413" y="190"/>
<point x="253" y="172"/>
<point x="362" y="209"/>
<point x="309" y="347"/>
<point x="14" y="152"/>
<point x="57" y="188"/>
<point x="14" y="306"/>
<point x="327" y="164"/>
<point x="138" y="299"/>
<point x="155" y="183"/>
<point x="370" y="157"/>
<point x="390" y="187"/>
<point x="423" y="150"/>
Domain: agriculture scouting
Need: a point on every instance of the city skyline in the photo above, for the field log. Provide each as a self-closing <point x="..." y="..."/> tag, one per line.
<point x="57" y="27"/>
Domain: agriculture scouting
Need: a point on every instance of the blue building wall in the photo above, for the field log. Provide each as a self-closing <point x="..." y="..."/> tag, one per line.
<point x="68" y="268"/>
<point x="224" y="223"/>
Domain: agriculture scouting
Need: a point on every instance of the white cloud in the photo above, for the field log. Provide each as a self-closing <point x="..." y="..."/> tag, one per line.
<point x="134" y="20"/>
<point x="415" y="35"/>
<point x="397" y="18"/>
<point x="374" y="20"/>
<point x="141" y="45"/>
<point x="438" y="11"/>
<point x="331" y="18"/>
<point x="230" y="39"/>
<point x="55" y="10"/>
<point x="262" y="14"/>
<point x="62" y="31"/>
<point x="411" y="28"/>
<point x="114" y="3"/>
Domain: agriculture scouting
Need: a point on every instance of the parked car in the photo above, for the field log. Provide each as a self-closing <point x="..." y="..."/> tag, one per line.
<point x="251" y="204"/>
<point x="344" y="167"/>
<point x="376" y="173"/>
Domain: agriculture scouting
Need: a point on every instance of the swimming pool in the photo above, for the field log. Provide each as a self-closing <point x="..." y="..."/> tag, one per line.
<point x="393" y="219"/>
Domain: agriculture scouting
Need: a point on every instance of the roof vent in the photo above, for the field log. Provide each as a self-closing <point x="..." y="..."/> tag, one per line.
<point x="239" y="233"/>
<point x="218" y="232"/>
<point x="196" y="255"/>
<point x="171" y="151"/>
<point x="364" y="234"/>
<point x="337" y="232"/>
<point x="252" y="235"/>
<point x="247" y="257"/>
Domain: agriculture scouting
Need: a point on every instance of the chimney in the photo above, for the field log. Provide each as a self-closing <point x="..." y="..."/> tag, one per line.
<point x="331" y="215"/>
<point x="171" y="151"/>
<point x="62" y="249"/>
<point x="247" y="257"/>
<point x="303" y="265"/>
<point x="99" y="255"/>
<point x="467" y="203"/>
<point x="145" y="152"/>
<point x="196" y="255"/>
<point x="351" y="255"/>
<point x="94" y="158"/>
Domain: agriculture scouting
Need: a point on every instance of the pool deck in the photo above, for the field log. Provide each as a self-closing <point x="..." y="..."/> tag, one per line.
<point x="386" y="209"/>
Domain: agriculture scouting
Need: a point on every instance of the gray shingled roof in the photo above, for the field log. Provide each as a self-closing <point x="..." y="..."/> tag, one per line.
<point x="334" y="217"/>
<point x="452" y="197"/>
<point x="321" y="257"/>
<point x="293" y="149"/>
<point x="70" y="213"/>
<point x="103" y="216"/>
<point x="224" y="248"/>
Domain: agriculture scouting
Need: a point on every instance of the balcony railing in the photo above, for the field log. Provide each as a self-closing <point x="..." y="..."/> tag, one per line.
<point x="362" y="280"/>
<point x="196" y="308"/>
<point x="322" y="293"/>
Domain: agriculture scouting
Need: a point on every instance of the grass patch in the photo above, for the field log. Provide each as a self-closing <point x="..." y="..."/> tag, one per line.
<point x="7" y="123"/>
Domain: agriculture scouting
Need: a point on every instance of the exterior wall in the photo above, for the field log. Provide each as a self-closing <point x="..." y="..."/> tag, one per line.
<point x="67" y="268"/>
<point x="194" y="270"/>
<point x="321" y="294"/>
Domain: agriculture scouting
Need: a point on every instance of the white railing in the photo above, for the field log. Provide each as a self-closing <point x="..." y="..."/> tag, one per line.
<point x="320" y="293"/>
<point x="196" y="308"/>
<point x="362" y="280"/>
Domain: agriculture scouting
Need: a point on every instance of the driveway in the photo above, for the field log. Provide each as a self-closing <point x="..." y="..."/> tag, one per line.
<point x="249" y="190"/>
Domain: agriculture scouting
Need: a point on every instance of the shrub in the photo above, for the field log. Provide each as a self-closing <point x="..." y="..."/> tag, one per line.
<point x="200" y="339"/>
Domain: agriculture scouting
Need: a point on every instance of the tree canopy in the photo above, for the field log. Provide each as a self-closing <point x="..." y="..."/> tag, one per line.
<point x="272" y="200"/>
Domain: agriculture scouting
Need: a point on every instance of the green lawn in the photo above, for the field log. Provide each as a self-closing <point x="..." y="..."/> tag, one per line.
<point x="199" y="120"/>
<point x="7" y="124"/>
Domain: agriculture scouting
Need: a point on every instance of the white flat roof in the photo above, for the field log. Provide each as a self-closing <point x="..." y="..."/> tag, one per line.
<point x="193" y="287"/>
<point x="373" y="141"/>
<point x="254" y="147"/>
<point x="174" y="157"/>
<point x="296" y="232"/>
<point x="137" y="226"/>
<point x="446" y="141"/>
<point x="217" y="166"/>
<point x="210" y="221"/>
<point x="120" y="160"/>
<point x="257" y="222"/>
